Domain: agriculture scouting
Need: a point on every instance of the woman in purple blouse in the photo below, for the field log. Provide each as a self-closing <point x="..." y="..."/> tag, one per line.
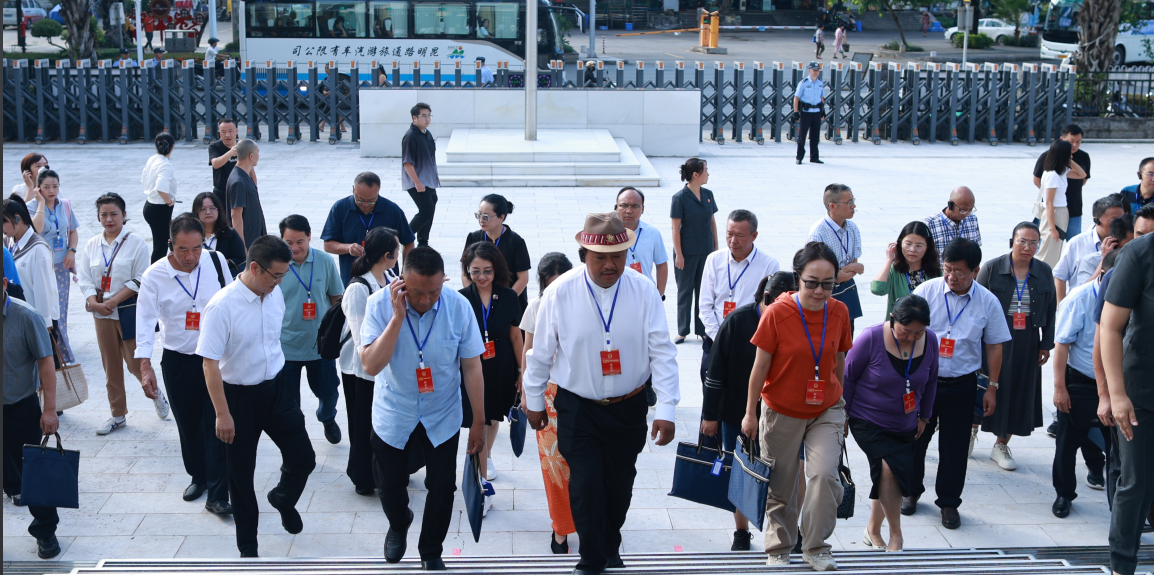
<point x="891" y="378"/>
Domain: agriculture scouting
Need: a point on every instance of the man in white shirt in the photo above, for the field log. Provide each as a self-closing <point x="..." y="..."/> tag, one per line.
<point x="211" y="57"/>
<point x="1089" y="267"/>
<point x="728" y="281"/>
<point x="240" y="344"/>
<point x="173" y="292"/>
<point x="1105" y="210"/>
<point x="600" y="362"/>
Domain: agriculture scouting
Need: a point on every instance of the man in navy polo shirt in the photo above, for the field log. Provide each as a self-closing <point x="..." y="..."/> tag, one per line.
<point x="351" y="218"/>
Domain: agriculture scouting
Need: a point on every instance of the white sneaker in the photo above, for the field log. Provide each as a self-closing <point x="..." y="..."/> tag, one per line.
<point x="490" y="493"/>
<point x="490" y="471"/>
<point x="973" y="440"/>
<point x="161" y="404"/>
<point x="1002" y="456"/>
<point x="112" y="425"/>
<point x="820" y="561"/>
<point x="782" y="559"/>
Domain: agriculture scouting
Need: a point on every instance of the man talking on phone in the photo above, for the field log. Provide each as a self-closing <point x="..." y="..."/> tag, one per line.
<point x="420" y="341"/>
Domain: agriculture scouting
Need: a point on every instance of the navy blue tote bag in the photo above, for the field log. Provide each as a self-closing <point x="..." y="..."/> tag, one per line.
<point x="701" y="473"/>
<point x="51" y="476"/>
<point x="518" y="427"/>
<point x="749" y="482"/>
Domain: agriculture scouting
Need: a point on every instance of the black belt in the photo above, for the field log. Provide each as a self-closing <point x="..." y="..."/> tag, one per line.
<point x="957" y="379"/>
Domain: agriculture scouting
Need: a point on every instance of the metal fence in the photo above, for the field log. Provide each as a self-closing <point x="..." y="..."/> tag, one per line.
<point x="912" y="102"/>
<point x="1118" y="92"/>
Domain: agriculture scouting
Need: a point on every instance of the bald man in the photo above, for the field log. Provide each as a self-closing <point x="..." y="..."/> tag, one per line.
<point x="957" y="220"/>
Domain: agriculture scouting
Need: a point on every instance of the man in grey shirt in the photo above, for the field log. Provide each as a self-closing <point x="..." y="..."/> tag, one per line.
<point x="27" y="362"/>
<point x="419" y="176"/>
<point x="243" y="200"/>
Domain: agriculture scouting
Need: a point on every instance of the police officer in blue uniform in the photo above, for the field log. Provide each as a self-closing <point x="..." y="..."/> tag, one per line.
<point x="809" y="103"/>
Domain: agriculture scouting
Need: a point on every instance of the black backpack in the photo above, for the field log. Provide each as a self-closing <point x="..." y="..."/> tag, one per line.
<point x="329" y="340"/>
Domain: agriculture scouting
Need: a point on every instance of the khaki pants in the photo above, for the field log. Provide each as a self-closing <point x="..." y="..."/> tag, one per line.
<point x="781" y="439"/>
<point x="1051" y="250"/>
<point x="114" y="353"/>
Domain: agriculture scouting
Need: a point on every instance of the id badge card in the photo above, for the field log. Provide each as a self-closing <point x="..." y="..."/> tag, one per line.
<point x="58" y="243"/>
<point x="105" y="283"/>
<point x="946" y="348"/>
<point x="1019" y="320"/>
<point x="908" y="402"/>
<point x="309" y="310"/>
<point x="637" y="267"/>
<point x="611" y="362"/>
<point x="490" y="350"/>
<point x="425" y="380"/>
<point x="814" y="392"/>
<point x="717" y="468"/>
<point x="192" y="321"/>
<point x="729" y="306"/>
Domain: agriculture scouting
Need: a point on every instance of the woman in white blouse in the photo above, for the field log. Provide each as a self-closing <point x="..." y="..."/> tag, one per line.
<point x="109" y="270"/>
<point x="33" y="257"/>
<point x="159" y="179"/>
<point x="1051" y="208"/>
<point x="371" y="272"/>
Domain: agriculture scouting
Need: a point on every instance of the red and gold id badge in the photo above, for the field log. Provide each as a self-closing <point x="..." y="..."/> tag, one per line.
<point x="490" y="350"/>
<point x="637" y="267"/>
<point x="814" y="392"/>
<point x="908" y="402"/>
<point x="192" y="320"/>
<point x="309" y="310"/>
<point x="611" y="362"/>
<point x="1019" y="320"/>
<point x="105" y="283"/>
<point x="425" y="379"/>
<point x="729" y="306"/>
<point x="946" y="348"/>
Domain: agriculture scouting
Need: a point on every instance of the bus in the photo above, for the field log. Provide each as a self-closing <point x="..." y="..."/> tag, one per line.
<point x="1060" y="30"/>
<point x="405" y="31"/>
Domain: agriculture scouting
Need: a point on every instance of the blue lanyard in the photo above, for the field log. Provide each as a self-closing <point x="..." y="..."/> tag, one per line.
<point x="196" y="290"/>
<point x="313" y="269"/>
<point x="824" y="322"/>
<point x="911" y="362"/>
<point x="1094" y="286"/>
<point x="421" y="344"/>
<point x="485" y="315"/>
<point x="1018" y="290"/>
<point x="103" y="255"/>
<point x="368" y="225"/>
<point x="948" y="227"/>
<point x="55" y="219"/>
<point x="497" y="242"/>
<point x="848" y="240"/>
<point x="208" y="245"/>
<point x="636" y="241"/>
<point x="729" y="274"/>
<point x="597" y="305"/>
<point x="952" y="318"/>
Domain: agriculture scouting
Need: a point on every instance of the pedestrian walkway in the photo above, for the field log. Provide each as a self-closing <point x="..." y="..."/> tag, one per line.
<point x="131" y="480"/>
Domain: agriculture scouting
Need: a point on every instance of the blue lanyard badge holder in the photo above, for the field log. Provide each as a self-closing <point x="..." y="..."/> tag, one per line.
<point x="490" y="346"/>
<point x="610" y="358"/>
<point x="424" y="374"/>
<point x="309" y="307"/>
<point x="192" y="318"/>
<point x="814" y="388"/>
<point x="908" y="401"/>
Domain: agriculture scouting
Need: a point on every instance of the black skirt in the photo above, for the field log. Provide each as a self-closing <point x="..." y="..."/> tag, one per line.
<point x="895" y="448"/>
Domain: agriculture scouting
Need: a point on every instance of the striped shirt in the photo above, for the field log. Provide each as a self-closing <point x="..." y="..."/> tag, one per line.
<point x="844" y="241"/>
<point x="946" y="230"/>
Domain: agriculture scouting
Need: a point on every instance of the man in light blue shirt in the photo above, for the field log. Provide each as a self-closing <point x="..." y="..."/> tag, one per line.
<point x="420" y="339"/>
<point x="312" y="286"/>
<point x="838" y="231"/>
<point x="649" y="250"/>
<point x="809" y="109"/>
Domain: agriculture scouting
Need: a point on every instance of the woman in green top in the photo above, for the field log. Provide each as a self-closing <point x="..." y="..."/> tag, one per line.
<point x="906" y="269"/>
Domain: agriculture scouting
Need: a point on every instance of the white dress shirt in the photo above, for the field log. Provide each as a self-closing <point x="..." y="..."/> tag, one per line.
<point x="163" y="300"/>
<point x="1077" y="248"/>
<point x="726" y="279"/>
<point x="978" y="318"/>
<point x="36" y="275"/>
<point x="354" y="303"/>
<point x="127" y="270"/>
<point x="570" y="336"/>
<point x="242" y="331"/>
<point x="159" y="175"/>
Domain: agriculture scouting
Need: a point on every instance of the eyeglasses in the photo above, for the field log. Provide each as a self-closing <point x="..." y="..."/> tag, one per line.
<point x="967" y="212"/>
<point x="813" y="284"/>
<point x="276" y="277"/>
<point x="426" y="116"/>
<point x="481" y="273"/>
<point x="209" y="209"/>
<point x="629" y="206"/>
<point x="483" y="218"/>
<point x="956" y="273"/>
<point x="1028" y="243"/>
<point x="365" y="202"/>
<point x="912" y="246"/>
<point x="851" y="201"/>
<point x="1143" y="174"/>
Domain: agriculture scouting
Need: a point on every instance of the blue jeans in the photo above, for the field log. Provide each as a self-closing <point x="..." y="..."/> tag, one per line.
<point x="729" y="435"/>
<point x="1075" y="227"/>
<point x="323" y="381"/>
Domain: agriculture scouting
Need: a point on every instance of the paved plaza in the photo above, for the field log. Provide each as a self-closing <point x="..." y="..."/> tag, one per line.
<point x="131" y="481"/>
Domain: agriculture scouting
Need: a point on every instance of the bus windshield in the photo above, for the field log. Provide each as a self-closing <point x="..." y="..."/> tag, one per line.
<point x="1061" y="25"/>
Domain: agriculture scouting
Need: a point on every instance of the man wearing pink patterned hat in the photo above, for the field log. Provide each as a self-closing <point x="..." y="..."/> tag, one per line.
<point x="601" y="333"/>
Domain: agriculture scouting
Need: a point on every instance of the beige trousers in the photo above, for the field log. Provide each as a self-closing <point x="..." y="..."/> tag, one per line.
<point x="114" y="353"/>
<point x="781" y="439"/>
<point x="1051" y="250"/>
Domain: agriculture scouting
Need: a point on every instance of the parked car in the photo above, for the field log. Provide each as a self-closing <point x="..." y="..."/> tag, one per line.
<point x="997" y="29"/>
<point x="32" y="12"/>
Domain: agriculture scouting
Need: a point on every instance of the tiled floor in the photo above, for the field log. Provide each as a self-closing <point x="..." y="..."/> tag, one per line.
<point x="131" y="480"/>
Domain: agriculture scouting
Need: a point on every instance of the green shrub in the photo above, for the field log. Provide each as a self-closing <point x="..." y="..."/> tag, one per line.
<point x="979" y="41"/>
<point x="947" y="21"/>
<point x="47" y="28"/>
<point x="895" y="45"/>
<point x="233" y="46"/>
<point x="1024" y="41"/>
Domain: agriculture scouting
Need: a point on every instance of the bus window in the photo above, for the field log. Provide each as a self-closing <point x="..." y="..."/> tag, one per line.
<point x="341" y="19"/>
<point x="497" y="20"/>
<point x="389" y="19"/>
<point x="441" y="20"/>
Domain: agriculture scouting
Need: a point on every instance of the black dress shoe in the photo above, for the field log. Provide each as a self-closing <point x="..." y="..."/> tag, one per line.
<point x="614" y="561"/>
<point x="48" y="547"/>
<point x="950" y="518"/>
<point x="816" y="161"/>
<point x="741" y="539"/>
<point x="366" y="491"/>
<point x="290" y="519"/>
<point x="432" y="565"/>
<point x="218" y="507"/>
<point x="194" y="491"/>
<point x="249" y="553"/>
<point x="799" y="162"/>
<point x="585" y="572"/>
<point x="1062" y="507"/>
<point x="396" y="542"/>
<point x="561" y="548"/>
<point x="909" y="505"/>
<point x="332" y="431"/>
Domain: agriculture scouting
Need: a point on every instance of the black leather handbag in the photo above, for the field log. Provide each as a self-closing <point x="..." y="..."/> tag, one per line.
<point x="849" y="490"/>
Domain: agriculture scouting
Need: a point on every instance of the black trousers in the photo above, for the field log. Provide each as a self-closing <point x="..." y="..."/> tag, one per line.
<point x="810" y="124"/>
<point x="689" y="294"/>
<point x="953" y="418"/>
<point x="392" y="466"/>
<point x="195" y="417"/>
<point x="359" y="408"/>
<point x="422" y="223"/>
<point x="159" y="217"/>
<point x="264" y="408"/>
<point x="600" y="443"/>
<point x="1113" y="463"/>
<point x="21" y="426"/>
<point x="1073" y="434"/>
<point x="706" y="347"/>
<point x="1135" y="494"/>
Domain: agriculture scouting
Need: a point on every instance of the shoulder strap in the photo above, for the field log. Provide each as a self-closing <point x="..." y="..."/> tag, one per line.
<point x="67" y="211"/>
<point x="216" y="263"/>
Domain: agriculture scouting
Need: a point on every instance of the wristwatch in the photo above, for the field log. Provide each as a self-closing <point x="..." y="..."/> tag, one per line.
<point x="662" y="297"/>
<point x="993" y="385"/>
<point x="73" y="250"/>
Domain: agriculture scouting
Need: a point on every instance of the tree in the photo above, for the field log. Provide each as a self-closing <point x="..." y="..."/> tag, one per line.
<point x="1098" y="20"/>
<point x="79" y="23"/>
<point x="884" y="6"/>
<point x="48" y="29"/>
<point x="1012" y="10"/>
